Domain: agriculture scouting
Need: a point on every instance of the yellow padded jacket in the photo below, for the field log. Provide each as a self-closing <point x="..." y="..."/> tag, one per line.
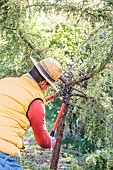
<point x="16" y="94"/>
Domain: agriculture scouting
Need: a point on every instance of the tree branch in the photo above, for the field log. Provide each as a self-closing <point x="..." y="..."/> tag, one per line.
<point x="76" y="105"/>
<point x="101" y="68"/>
<point x="82" y="78"/>
<point x="30" y="44"/>
<point x="80" y="95"/>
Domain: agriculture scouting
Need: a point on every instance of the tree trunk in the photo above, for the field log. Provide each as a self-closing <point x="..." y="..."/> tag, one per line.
<point x="59" y="135"/>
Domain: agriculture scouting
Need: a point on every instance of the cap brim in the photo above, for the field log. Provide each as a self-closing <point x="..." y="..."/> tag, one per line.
<point x="40" y="71"/>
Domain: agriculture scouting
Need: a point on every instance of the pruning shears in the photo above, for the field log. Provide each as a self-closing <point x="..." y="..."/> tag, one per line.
<point x="67" y="92"/>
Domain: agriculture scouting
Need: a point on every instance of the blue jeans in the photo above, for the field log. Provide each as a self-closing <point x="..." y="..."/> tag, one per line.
<point x="8" y="162"/>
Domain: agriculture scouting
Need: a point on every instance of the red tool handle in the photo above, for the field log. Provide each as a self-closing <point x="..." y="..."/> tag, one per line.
<point x="58" y="119"/>
<point x="51" y="97"/>
<point x="65" y="102"/>
<point x="59" y="116"/>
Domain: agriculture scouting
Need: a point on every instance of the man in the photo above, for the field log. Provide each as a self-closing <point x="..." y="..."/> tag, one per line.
<point x="21" y="106"/>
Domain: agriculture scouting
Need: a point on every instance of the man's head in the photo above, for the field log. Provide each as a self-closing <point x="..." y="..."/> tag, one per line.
<point x="49" y="69"/>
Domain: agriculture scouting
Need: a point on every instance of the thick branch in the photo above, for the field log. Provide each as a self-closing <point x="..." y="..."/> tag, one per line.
<point x="82" y="95"/>
<point x="82" y="78"/>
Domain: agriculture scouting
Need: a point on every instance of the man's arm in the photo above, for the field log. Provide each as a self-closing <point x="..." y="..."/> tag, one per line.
<point x="36" y="116"/>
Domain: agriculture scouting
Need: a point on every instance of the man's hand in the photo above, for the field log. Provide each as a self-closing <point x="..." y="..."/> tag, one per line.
<point x="53" y="142"/>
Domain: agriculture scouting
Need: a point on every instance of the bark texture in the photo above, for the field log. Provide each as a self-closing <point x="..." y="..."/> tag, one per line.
<point x="59" y="135"/>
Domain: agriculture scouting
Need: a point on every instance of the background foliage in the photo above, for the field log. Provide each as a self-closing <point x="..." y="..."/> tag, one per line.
<point x="79" y="34"/>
